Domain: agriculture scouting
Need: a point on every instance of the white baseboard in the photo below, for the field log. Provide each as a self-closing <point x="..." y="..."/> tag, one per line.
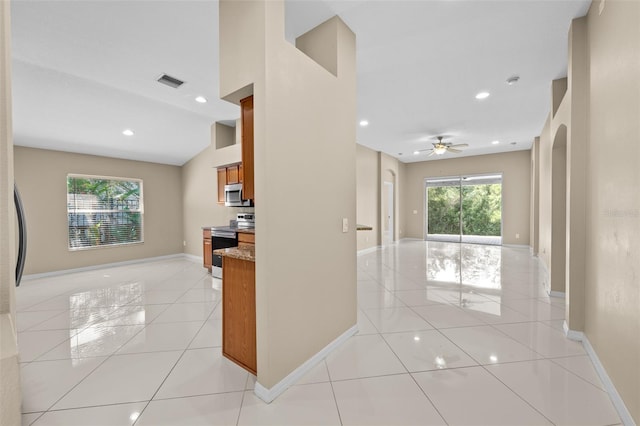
<point x="268" y="395"/>
<point x="104" y="265"/>
<point x="193" y="258"/>
<point x="518" y="246"/>
<point x="578" y="336"/>
<point x="368" y="250"/>
<point x="616" y="399"/>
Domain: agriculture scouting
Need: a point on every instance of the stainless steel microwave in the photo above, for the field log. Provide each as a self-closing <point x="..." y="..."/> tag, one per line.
<point x="233" y="196"/>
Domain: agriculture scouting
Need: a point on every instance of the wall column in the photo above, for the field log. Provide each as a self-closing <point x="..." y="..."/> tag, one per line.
<point x="10" y="396"/>
<point x="535" y="196"/>
<point x="577" y="148"/>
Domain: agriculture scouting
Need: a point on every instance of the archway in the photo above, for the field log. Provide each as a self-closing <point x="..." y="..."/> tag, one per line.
<point x="557" y="284"/>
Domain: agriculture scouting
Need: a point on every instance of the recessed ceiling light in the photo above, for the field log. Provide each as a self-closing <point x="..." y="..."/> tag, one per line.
<point x="416" y="152"/>
<point x="495" y="142"/>
<point x="364" y="123"/>
<point x="201" y="99"/>
<point x="128" y="132"/>
<point x="482" y="95"/>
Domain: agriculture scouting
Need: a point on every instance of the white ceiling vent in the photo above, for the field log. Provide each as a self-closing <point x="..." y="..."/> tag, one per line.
<point x="170" y="81"/>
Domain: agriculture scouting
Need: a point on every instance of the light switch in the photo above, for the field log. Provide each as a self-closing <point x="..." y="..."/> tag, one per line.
<point x="415" y="212"/>
<point x="345" y="224"/>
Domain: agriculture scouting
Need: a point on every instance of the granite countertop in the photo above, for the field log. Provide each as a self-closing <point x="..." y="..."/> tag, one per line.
<point x="246" y="252"/>
<point x="364" y="228"/>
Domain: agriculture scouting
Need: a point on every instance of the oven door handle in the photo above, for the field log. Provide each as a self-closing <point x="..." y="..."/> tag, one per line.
<point x="223" y="234"/>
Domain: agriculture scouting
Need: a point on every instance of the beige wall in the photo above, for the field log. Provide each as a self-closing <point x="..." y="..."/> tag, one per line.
<point x="612" y="318"/>
<point x="368" y="196"/>
<point x="41" y="176"/>
<point x="600" y="116"/>
<point x="544" y="200"/>
<point x="373" y="169"/>
<point x="516" y="187"/>
<point x="305" y="151"/>
<point x="10" y="396"/>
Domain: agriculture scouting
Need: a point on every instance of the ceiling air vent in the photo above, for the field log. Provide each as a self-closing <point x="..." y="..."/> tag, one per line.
<point x="170" y="81"/>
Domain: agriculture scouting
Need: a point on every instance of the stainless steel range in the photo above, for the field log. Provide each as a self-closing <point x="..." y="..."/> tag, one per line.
<point x="227" y="236"/>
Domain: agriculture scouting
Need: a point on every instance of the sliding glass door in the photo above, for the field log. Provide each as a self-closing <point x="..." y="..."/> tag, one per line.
<point x="464" y="209"/>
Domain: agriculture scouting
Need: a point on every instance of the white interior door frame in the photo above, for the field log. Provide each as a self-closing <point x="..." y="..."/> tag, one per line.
<point x="389" y="228"/>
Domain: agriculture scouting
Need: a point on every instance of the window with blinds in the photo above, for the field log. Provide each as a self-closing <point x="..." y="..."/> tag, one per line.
<point x="103" y="211"/>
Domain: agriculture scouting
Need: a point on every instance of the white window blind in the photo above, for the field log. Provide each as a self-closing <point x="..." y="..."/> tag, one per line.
<point x="104" y="211"/>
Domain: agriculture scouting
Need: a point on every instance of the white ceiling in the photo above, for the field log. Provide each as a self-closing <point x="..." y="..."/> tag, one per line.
<point x="83" y="71"/>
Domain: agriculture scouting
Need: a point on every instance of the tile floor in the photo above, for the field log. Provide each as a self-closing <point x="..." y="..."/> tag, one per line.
<point x="448" y="334"/>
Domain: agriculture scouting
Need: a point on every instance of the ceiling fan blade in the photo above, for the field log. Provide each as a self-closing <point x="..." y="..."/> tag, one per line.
<point x="460" y="145"/>
<point x="431" y="153"/>
<point x="453" y="150"/>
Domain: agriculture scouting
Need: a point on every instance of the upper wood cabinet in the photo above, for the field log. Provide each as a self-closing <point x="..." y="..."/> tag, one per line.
<point x="222" y="181"/>
<point x="227" y="176"/>
<point x="246" y="119"/>
<point x="232" y="175"/>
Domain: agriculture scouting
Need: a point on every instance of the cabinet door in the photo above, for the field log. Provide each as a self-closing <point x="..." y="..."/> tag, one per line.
<point x="239" y="312"/>
<point x="240" y="173"/>
<point x="232" y="175"/>
<point x="222" y="181"/>
<point x="246" y="116"/>
<point x="244" y="237"/>
<point x="207" y="251"/>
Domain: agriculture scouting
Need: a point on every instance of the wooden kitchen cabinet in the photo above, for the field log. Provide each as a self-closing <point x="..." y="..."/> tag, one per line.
<point x="222" y="181"/>
<point x="246" y="238"/>
<point x="233" y="175"/>
<point x="227" y="176"/>
<point x="246" y="119"/>
<point x="239" y="312"/>
<point x="207" y="249"/>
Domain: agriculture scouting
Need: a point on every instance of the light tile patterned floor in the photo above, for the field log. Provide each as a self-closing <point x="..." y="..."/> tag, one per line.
<point x="448" y="334"/>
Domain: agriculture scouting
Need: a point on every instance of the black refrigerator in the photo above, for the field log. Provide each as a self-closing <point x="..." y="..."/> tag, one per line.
<point x="22" y="235"/>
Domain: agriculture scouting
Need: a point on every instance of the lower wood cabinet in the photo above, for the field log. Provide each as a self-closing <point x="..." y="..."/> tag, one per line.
<point x="246" y="238"/>
<point x="239" y="312"/>
<point x="207" y="253"/>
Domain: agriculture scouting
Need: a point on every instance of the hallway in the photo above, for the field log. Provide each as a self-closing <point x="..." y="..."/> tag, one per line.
<point x="448" y="334"/>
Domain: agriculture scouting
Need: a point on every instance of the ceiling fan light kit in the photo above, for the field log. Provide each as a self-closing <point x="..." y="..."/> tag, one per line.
<point x="440" y="148"/>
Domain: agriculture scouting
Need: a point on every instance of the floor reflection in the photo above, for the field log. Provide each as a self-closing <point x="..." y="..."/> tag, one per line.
<point x="94" y="315"/>
<point x="464" y="273"/>
<point x="464" y="264"/>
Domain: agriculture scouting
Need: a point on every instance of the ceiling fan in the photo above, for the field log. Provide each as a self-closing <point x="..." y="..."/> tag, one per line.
<point x="440" y="148"/>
